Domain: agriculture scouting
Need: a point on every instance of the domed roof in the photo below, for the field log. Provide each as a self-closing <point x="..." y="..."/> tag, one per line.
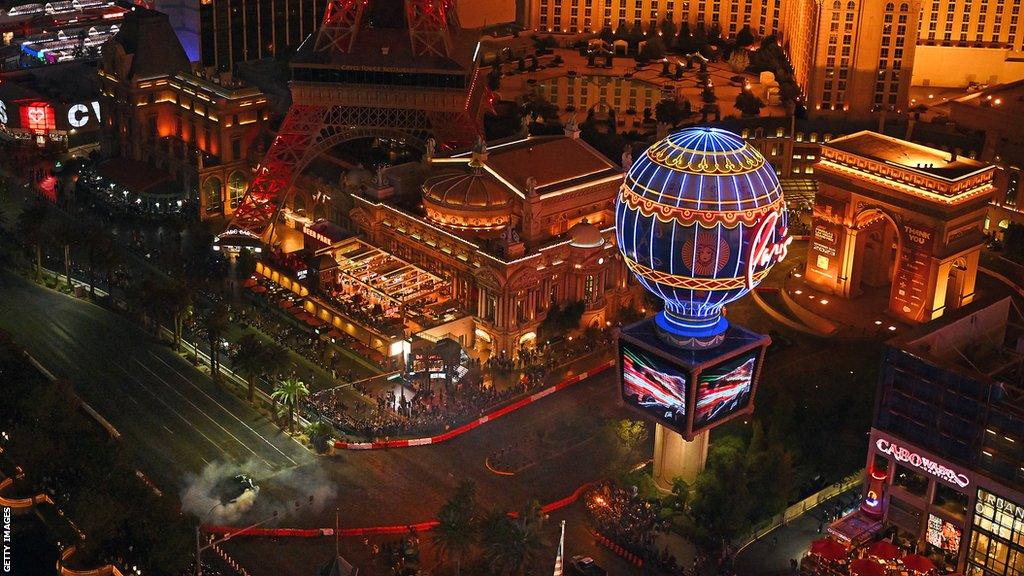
<point x="465" y="190"/>
<point x="585" y="235"/>
<point x="704" y="174"/>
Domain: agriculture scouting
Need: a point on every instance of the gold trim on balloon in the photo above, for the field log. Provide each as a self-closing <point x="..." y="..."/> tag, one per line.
<point x="690" y="283"/>
<point x="689" y="216"/>
<point x="734" y="162"/>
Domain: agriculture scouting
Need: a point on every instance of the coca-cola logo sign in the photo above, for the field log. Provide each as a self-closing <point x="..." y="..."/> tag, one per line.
<point x="923" y="463"/>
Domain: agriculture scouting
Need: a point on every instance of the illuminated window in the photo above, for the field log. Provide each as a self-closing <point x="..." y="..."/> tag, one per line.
<point x="236" y="188"/>
<point x="213" y="197"/>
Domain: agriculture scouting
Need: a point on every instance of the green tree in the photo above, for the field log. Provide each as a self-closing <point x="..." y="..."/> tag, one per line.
<point x="178" y="300"/>
<point x="102" y="255"/>
<point x="319" y="436"/>
<point x="739" y="60"/>
<point x="248" y="361"/>
<point x="748" y="103"/>
<point x="64" y="233"/>
<point x="457" y="528"/>
<point x="672" y="111"/>
<point x="668" y="30"/>
<point x="215" y="323"/>
<point x="745" y="37"/>
<point x="290" y="392"/>
<point x="511" y="546"/>
<point x="684" y="39"/>
<point x="31" y="225"/>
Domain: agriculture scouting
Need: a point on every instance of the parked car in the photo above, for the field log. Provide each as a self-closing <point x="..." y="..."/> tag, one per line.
<point x="585" y="566"/>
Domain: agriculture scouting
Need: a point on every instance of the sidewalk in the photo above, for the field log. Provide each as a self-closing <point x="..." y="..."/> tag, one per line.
<point x="771" y="554"/>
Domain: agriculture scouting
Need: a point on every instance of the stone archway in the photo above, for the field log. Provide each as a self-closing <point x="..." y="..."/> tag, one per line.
<point x="877" y="245"/>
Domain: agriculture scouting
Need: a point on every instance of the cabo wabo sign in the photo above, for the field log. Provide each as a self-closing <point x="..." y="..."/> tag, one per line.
<point x="901" y="454"/>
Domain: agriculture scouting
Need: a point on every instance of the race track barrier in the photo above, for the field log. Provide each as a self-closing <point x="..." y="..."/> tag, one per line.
<point x="392" y="530"/>
<point x="107" y="570"/>
<point x="481" y="420"/>
<point x="21" y="503"/>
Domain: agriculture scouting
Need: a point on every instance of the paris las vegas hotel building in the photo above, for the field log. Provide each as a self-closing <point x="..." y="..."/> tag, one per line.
<point x="851" y="57"/>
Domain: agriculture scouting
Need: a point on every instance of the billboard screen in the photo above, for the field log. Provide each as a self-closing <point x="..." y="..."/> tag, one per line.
<point x="654" y="386"/>
<point x="943" y="534"/>
<point x="725" y="388"/>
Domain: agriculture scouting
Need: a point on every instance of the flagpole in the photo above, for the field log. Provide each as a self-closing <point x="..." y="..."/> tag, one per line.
<point x="561" y="552"/>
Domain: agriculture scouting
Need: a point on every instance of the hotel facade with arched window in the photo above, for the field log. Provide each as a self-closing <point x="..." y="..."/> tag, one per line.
<point x="206" y="131"/>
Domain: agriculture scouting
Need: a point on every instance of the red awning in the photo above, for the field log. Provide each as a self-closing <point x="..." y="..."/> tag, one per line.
<point x="829" y="549"/>
<point x="286" y="303"/>
<point x="335" y="334"/>
<point x="865" y="567"/>
<point x="249" y="282"/>
<point x="918" y="563"/>
<point x="884" y="550"/>
<point x="258" y="289"/>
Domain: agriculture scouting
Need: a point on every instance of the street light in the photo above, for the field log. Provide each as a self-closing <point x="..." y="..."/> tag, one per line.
<point x="200" y="548"/>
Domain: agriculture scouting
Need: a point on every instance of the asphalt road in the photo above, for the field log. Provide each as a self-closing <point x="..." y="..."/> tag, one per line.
<point x="174" y="419"/>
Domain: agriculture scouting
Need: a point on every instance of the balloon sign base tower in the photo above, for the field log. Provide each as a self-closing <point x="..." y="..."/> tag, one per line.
<point x="687" y="391"/>
<point x="674" y="457"/>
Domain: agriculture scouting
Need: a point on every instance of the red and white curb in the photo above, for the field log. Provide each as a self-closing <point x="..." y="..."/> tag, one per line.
<point x="481" y="420"/>
<point x="371" y="530"/>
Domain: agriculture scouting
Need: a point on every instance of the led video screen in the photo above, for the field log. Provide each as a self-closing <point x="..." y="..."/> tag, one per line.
<point x="724" y="389"/>
<point x="943" y="534"/>
<point x="654" y="386"/>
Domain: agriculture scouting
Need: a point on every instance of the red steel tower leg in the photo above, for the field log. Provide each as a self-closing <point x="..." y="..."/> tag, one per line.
<point x="429" y="21"/>
<point x="269" y="189"/>
<point x="342" y="19"/>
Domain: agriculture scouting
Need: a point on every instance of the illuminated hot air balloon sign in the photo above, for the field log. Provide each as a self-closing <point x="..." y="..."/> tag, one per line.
<point x="701" y="221"/>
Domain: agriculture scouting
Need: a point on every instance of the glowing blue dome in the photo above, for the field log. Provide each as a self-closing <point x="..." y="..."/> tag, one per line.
<point x="700" y="220"/>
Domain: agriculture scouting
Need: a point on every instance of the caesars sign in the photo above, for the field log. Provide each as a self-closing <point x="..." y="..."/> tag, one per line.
<point x="37" y="115"/>
<point x="84" y="115"/>
<point x="901" y="454"/>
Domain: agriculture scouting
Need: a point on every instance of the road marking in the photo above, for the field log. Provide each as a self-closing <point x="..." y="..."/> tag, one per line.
<point x="166" y="428"/>
<point x="201" y="411"/>
<point x="176" y="413"/>
<point x="232" y="414"/>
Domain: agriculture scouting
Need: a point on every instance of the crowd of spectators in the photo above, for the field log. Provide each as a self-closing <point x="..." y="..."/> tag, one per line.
<point x="626" y="518"/>
<point x="426" y="406"/>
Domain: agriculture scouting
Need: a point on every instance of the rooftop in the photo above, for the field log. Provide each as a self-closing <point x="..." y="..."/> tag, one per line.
<point x="70" y="82"/>
<point x="982" y="341"/>
<point x="554" y="163"/>
<point x="904" y="154"/>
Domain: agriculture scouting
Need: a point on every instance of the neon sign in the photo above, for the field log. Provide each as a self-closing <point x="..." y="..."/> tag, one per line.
<point x="38" y="118"/>
<point x="901" y="454"/>
<point x="78" y="114"/>
<point x="764" y="252"/>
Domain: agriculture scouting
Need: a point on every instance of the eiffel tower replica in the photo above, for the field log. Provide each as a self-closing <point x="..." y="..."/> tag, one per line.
<point x="376" y="68"/>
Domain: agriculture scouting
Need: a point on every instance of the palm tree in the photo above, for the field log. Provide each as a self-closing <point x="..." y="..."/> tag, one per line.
<point x="215" y="323"/>
<point x="178" y="298"/>
<point x="101" y="254"/>
<point x="63" y="233"/>
<point x="512" y="545"/>
<point x="290" y="392"/>
<point x="30" y="226"/>
<point x="248" y="361"/>
<point x="456" y="529"/>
